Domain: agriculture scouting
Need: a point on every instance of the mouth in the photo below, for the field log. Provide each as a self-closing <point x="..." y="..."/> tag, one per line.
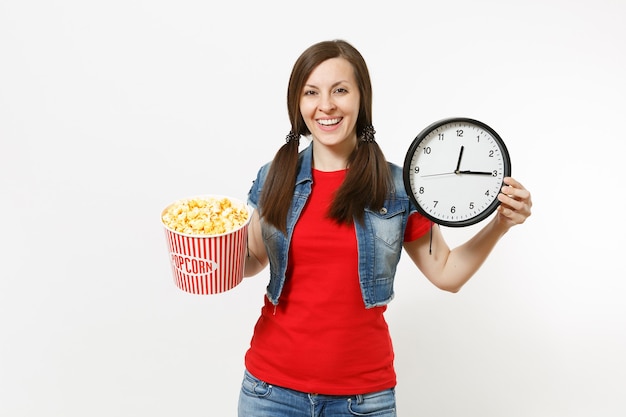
<point x="329" y="122"/>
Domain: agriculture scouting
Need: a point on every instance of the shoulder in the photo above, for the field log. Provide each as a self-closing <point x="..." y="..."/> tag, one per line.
<point x="397" y="177"/>
<point x="303" y="156"/>
<point x="303" y="174"/>
<point x="395" y="169"/>
<point x="399" y="190"/>
<point x="261" y="174"/>
<point x="257" y="185"/>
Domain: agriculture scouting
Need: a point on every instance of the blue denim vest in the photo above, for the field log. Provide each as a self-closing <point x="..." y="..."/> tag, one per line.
<point x="379" y="237"/>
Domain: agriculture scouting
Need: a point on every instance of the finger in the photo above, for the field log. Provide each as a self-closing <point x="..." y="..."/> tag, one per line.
<point x="515" y="189"/>
<point x="510" y="181"/>
<point x="511" y="215"/>
<point x="511" y="206"/>
<point x="510" y="201"/>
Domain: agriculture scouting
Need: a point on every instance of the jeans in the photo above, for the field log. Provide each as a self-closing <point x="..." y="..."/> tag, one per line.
<point x="260" y="399"/>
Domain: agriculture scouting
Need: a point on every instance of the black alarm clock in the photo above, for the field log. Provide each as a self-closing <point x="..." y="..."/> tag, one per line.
<point x="454" y="170"/>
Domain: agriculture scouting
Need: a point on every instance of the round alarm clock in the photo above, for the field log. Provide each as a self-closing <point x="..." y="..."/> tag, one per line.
<point x="454" y="170"/>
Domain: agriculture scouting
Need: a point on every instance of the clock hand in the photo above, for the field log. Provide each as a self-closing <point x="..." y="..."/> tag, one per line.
<point x="474" y="172"/>
<point x="458" y="164"/>
<point x="468" y="172"/>
<point x="436" y="175"/>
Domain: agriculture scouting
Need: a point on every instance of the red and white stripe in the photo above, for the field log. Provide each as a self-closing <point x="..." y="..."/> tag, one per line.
<point x="207" y="264"/>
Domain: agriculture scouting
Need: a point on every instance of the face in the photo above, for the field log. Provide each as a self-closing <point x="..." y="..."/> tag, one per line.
<point x="330" y="104"/>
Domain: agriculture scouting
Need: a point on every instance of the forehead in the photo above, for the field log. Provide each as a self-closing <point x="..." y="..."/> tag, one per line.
<point x="331" y="71"/>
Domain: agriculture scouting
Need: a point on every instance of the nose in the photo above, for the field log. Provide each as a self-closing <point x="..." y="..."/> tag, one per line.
<point x="326" y="103"/>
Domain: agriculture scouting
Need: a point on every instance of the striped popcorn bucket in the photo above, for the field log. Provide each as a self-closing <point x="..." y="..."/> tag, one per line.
<point x="208" y="264"/>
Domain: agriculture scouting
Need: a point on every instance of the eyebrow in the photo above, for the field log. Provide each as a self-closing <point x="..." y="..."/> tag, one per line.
<point x="334" y="84"/>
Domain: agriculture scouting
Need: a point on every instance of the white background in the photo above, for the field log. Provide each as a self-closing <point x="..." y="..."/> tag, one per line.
<point x="110" y="110"/>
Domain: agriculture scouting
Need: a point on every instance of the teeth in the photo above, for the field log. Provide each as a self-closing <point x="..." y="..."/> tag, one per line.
<point x="329" y="122"/>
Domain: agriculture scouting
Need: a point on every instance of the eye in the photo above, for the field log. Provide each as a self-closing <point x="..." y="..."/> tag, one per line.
<point x="341" y="90"/>
<point x="309" y="92"/>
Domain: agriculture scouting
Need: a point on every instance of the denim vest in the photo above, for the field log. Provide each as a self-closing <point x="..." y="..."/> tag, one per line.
<point x="379" y="237"/>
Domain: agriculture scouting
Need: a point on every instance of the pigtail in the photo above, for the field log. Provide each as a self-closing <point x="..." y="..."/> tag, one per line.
<point x="279" y="185"/>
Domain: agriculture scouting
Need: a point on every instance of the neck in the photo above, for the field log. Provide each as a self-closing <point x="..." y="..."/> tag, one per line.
<point x="331" y="158"/>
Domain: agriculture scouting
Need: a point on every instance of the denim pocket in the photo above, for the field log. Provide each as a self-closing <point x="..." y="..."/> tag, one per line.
<point x="254" y="387"/>
<point x="377" y="404"/>
<point x="387" y="223"/>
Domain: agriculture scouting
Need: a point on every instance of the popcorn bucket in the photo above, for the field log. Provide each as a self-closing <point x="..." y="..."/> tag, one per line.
<point x="208" y="263"/>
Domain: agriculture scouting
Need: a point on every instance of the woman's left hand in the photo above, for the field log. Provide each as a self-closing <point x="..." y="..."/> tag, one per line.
<point x="516" y="202"/>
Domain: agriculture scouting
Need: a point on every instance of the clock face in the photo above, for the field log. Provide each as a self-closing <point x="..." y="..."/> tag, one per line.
<point x="454" y="171"/>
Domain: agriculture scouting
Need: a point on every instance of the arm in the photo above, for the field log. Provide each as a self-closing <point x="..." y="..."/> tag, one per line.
<point x="256" y="259"/>
<point x="449" y="269"/>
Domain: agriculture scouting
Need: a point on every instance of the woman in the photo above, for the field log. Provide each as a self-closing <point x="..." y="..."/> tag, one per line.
<point x="331" y="222"/>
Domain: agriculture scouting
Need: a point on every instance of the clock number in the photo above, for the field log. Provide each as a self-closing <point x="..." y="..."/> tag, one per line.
<point x="487" y="193"/>
<point x="471" y="205"/>
<point x="494" y="173"/>
<point x="435" y="202"/>
<point x="491" y="154"/>
<point x="440" y="136"/>
<point x="459" y="133"/>
<point x="416" y="169"/>
<point x="427" y="150"/>
<point x="452" y="209"/>
<point x="421" y="190"/>
<point x="478" y="138"/>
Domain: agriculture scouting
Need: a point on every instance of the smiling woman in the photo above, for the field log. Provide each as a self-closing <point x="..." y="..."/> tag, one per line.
<point x="330" y="107"/>
<point x="369" y="180"/>
<point x="111" y="110"/>
<point x="331" y="222"/>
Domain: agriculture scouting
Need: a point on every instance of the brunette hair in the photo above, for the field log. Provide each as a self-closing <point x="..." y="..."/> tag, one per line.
<point x="368" y="181"/>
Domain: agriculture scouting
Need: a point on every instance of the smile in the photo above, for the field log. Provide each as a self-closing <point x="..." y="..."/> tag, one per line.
<point x="329" y="122"/>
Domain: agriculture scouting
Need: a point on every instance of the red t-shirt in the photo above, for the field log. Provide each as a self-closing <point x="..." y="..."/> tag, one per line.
<point x="320" y="338"/>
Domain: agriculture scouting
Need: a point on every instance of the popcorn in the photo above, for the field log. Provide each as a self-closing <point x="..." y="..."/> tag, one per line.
<point x="204" y="216"/>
